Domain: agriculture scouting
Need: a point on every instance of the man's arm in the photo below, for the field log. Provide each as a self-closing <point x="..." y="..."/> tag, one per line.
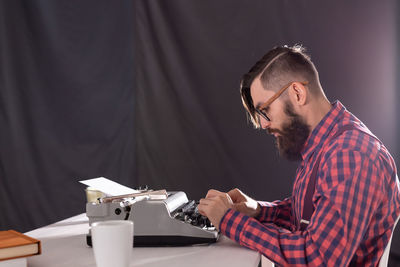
<point x="347" y="198"/>
<point x="278" y="212"/>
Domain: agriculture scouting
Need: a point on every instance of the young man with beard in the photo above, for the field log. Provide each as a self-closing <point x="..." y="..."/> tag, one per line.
<point x="346" y="194"/>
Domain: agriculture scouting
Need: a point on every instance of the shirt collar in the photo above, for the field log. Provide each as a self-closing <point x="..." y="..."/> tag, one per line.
<point x="323" y="129"/>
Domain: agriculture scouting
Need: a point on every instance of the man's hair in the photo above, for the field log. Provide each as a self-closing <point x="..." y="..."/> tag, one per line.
<point x="279" y="67"/>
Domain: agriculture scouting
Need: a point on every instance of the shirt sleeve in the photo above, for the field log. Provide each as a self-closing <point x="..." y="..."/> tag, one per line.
<point x="347" y="194"/>
<point x="278" y="212"/>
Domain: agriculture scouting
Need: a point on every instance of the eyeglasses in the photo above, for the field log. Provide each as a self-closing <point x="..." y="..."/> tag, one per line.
<point x="262" y="107"/>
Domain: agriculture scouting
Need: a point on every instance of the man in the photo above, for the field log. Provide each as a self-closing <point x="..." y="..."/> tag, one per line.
<point x="346" y="195"/>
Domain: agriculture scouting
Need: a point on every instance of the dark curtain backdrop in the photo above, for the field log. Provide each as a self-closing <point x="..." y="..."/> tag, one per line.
<point x="66" y="105"/>
<point x="145" y="92"/>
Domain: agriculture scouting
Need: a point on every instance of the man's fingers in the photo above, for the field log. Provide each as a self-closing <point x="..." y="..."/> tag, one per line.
<point x="205" y="201"/>
<point x="207" y="204"/>
<point x="204" y="206"/>
<point x="212" y="193"/>
<point x="201" y="209"/>
<point x="236" y="195"/>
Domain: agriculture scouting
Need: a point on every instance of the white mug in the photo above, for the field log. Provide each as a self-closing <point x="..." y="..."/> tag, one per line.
<point x="112" y="243"/>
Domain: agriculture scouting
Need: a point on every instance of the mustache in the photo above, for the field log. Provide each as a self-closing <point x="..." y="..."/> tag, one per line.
<point x="271" y="131"/>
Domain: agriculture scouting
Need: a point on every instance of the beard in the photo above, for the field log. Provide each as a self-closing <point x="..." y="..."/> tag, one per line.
<point x="293" y="135"/>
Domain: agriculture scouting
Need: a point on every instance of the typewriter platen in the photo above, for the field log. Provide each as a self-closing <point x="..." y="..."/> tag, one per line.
<point x="172" y="220"/>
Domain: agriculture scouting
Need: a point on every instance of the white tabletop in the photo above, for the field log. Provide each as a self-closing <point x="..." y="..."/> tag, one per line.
<point x="64" y="244"/>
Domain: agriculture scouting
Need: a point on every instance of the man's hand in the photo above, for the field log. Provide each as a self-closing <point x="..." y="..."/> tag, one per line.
<point x="243" y="203"/>
<point x="215" y="205"/>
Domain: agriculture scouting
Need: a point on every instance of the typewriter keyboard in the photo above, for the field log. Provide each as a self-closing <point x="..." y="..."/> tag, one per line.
<point x="190" y="214"/>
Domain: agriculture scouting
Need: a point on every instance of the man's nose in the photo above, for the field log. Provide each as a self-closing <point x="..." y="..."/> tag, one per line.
<point x="265" y="124"/>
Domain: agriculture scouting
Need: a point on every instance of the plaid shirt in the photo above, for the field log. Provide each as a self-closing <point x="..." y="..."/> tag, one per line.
<point x="356" y="201"/>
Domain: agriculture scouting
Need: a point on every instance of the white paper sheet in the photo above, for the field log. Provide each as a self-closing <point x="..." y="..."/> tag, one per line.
<point x="108" y="187"/>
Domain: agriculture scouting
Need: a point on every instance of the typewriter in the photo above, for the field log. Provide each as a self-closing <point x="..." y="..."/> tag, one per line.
<point x="160" y="218"/>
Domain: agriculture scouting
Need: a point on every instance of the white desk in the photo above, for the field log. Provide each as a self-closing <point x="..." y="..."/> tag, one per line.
<point x="64" y="244"/>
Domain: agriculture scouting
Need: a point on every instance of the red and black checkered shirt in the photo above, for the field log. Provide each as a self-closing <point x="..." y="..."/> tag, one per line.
<point x="356" y="201"/>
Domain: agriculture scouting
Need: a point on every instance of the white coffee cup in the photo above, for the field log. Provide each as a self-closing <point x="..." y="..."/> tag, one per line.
<point x="112" y="243"/>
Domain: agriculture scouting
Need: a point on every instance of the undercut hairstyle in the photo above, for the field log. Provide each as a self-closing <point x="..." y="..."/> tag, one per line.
<point x="279" y="67"/>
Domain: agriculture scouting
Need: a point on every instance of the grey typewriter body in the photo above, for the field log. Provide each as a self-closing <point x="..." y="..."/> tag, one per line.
<point x="173" y="221"/>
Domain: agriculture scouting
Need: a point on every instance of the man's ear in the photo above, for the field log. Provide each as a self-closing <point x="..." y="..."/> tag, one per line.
<point x="299" y="93"/>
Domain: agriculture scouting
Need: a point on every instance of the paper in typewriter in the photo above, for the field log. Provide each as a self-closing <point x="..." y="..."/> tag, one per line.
<point x="108" y="187"/>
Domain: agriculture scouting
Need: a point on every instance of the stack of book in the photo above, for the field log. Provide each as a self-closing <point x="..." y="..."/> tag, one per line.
<point x="15" y="247"/>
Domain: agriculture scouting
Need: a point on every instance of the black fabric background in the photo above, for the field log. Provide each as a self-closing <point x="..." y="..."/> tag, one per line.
<point x="146" y="92"/>
<point x="67" y="105"/>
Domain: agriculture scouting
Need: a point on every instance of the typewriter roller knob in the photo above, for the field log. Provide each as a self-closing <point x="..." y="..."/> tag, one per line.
<point x="143" y="188"/>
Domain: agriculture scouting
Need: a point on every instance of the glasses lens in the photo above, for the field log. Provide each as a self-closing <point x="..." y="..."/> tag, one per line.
<point x="263" y="115"/>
